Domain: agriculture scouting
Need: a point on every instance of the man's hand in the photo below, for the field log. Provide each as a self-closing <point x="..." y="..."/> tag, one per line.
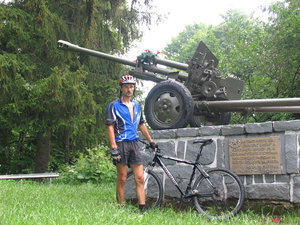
<point x="115" y="154"/>
<point x="153" y="146"/>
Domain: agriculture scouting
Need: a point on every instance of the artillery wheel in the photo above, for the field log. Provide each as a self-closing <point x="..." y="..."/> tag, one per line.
<point x="169" y="105"/>
<point x="221" y="118"/>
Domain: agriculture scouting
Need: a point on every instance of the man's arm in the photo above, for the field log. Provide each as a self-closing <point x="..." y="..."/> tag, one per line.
<point x="111" y="136"/>
<point x="115" y="153"/>
<point x="145" y="132"/>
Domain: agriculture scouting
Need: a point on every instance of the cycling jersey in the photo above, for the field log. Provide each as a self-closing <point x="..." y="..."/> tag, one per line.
<point x="118" y="114"/>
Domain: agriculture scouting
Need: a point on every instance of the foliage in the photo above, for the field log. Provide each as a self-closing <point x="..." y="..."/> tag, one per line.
<point x="183" y="45"/>
<point x="284" y="35"/>
<point x="93" y="166"/>
<point x="147" y="57"/>
<point x="24" y="95"/>
<point x="53" y="103"/>
<point x="266" y="55"/>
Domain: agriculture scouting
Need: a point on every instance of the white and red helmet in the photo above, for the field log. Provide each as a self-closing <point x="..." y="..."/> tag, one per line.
<point x="127" y="79"/>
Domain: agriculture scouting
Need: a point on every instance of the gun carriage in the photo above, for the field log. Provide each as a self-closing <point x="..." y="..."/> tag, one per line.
<point x="194" y="94"/>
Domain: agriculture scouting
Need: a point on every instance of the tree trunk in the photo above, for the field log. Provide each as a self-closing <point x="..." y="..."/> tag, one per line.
<point x="43" y="151"/>
<point x="67" y="145"/>
<point x="20" y="151"/>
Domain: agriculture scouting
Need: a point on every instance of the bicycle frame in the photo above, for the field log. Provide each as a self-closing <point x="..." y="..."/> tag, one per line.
<point x="217" y="193"/>
<point x="196" y="165"/>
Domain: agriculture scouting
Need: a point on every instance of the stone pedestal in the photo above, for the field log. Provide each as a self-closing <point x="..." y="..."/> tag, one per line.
<point x="282" y="184"/>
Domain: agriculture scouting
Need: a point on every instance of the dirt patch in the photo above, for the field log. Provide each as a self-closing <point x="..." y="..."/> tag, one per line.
<point x="268" y="207"/>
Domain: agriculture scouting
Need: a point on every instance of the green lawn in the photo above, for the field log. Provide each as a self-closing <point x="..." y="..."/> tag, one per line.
<point x="35" y="203"/>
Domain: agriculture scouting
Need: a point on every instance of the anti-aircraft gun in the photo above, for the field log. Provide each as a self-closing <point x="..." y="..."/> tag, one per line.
<point x="198" y="96"/>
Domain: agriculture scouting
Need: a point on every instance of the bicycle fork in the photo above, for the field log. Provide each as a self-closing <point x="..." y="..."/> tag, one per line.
<point x="146" y="178"/>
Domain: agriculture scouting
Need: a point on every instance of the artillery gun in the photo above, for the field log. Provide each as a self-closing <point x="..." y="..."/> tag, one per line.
<point x="193" y="94"/>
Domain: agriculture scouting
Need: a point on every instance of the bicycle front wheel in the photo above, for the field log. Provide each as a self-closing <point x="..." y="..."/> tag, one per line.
<point x="220" y="195"/>
<point x="153" y="189"/>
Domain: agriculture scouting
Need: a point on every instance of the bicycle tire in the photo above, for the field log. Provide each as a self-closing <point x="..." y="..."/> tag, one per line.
<point x="153" y="189"/>
<point x="229" y="198"/>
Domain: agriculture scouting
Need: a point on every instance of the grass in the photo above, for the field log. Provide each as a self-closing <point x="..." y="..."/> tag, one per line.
<point x="35" y="203"/>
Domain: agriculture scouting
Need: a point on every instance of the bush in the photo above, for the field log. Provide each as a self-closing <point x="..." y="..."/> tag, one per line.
<point x="94" y="166"/>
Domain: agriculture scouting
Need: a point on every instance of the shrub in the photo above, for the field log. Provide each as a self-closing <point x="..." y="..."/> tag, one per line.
<point x="94" y="166"/>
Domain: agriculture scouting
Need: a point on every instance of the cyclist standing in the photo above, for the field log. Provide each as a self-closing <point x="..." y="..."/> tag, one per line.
<point x="124" y="117"/>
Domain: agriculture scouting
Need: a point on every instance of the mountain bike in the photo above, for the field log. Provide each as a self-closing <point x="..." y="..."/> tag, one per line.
<point x="216" y="193"/>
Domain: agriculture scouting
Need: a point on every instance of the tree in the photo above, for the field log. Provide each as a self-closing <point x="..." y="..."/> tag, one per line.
<point x="283" y="37"/>
<point x="179" y="48"/>
<point x="27" y="50"/>
<point x="52" y="99"/>
<point x="264" y="54"/>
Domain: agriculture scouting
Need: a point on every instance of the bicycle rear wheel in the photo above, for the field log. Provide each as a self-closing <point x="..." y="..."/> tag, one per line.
<point x="219" y="196"/>
<point x="153" y="189"/>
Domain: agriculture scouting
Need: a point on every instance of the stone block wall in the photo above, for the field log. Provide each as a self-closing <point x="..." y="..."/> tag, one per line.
<point x="178" y="143"/>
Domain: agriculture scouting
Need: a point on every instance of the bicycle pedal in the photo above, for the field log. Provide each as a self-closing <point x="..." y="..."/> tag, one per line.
<point x="187" y="200"/>
<point x="176" y="200"/>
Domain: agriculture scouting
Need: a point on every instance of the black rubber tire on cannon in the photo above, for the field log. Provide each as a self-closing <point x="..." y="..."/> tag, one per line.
<point x="169" y="105"/>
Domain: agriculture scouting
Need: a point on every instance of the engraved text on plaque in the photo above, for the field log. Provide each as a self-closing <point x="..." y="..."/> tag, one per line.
<point x="255" y="155"/>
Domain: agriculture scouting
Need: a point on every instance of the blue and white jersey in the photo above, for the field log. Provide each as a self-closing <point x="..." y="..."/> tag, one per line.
<point x="118" y="114"/>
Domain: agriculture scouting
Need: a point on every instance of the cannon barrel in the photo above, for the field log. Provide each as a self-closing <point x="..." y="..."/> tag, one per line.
<point x="258" y="105"/>
<point x="283" y="109"/>
<point x="173" y="64"/>
<point x="181" y="76"/>
<point x="69" y="46"/>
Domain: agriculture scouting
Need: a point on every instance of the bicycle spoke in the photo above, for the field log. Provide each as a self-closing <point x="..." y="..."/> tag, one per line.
<point x="221" y="200"/>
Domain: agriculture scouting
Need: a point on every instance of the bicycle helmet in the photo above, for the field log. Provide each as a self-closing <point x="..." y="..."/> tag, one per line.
<point x="127" y="79"/>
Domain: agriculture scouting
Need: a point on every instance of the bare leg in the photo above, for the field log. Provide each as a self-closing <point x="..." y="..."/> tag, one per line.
<point x="121" y="180"/>
<point x="138" y="172"/>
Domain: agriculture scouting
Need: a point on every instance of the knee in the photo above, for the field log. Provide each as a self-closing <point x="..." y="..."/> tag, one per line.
<point x="139" y="179"/>
<point x="122" y="180"/>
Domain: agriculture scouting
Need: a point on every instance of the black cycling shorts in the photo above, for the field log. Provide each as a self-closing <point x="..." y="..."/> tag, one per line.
<point x="130" y="153"/>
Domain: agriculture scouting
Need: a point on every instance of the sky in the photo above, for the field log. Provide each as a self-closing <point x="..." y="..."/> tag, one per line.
<point x="185" y="12"/>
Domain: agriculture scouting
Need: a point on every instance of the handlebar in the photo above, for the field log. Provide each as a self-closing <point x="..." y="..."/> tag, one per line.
<point x="148" y="146"/>
<point x="202" y="141"/>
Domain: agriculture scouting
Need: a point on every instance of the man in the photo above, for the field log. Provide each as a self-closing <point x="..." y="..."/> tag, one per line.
<point x="124" y="117"/>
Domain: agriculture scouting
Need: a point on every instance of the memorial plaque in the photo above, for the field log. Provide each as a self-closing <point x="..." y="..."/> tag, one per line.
<point x="255" y="155"/>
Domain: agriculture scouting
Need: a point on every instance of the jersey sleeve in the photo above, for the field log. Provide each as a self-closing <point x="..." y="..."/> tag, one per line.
<point x="111" y="116"/>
